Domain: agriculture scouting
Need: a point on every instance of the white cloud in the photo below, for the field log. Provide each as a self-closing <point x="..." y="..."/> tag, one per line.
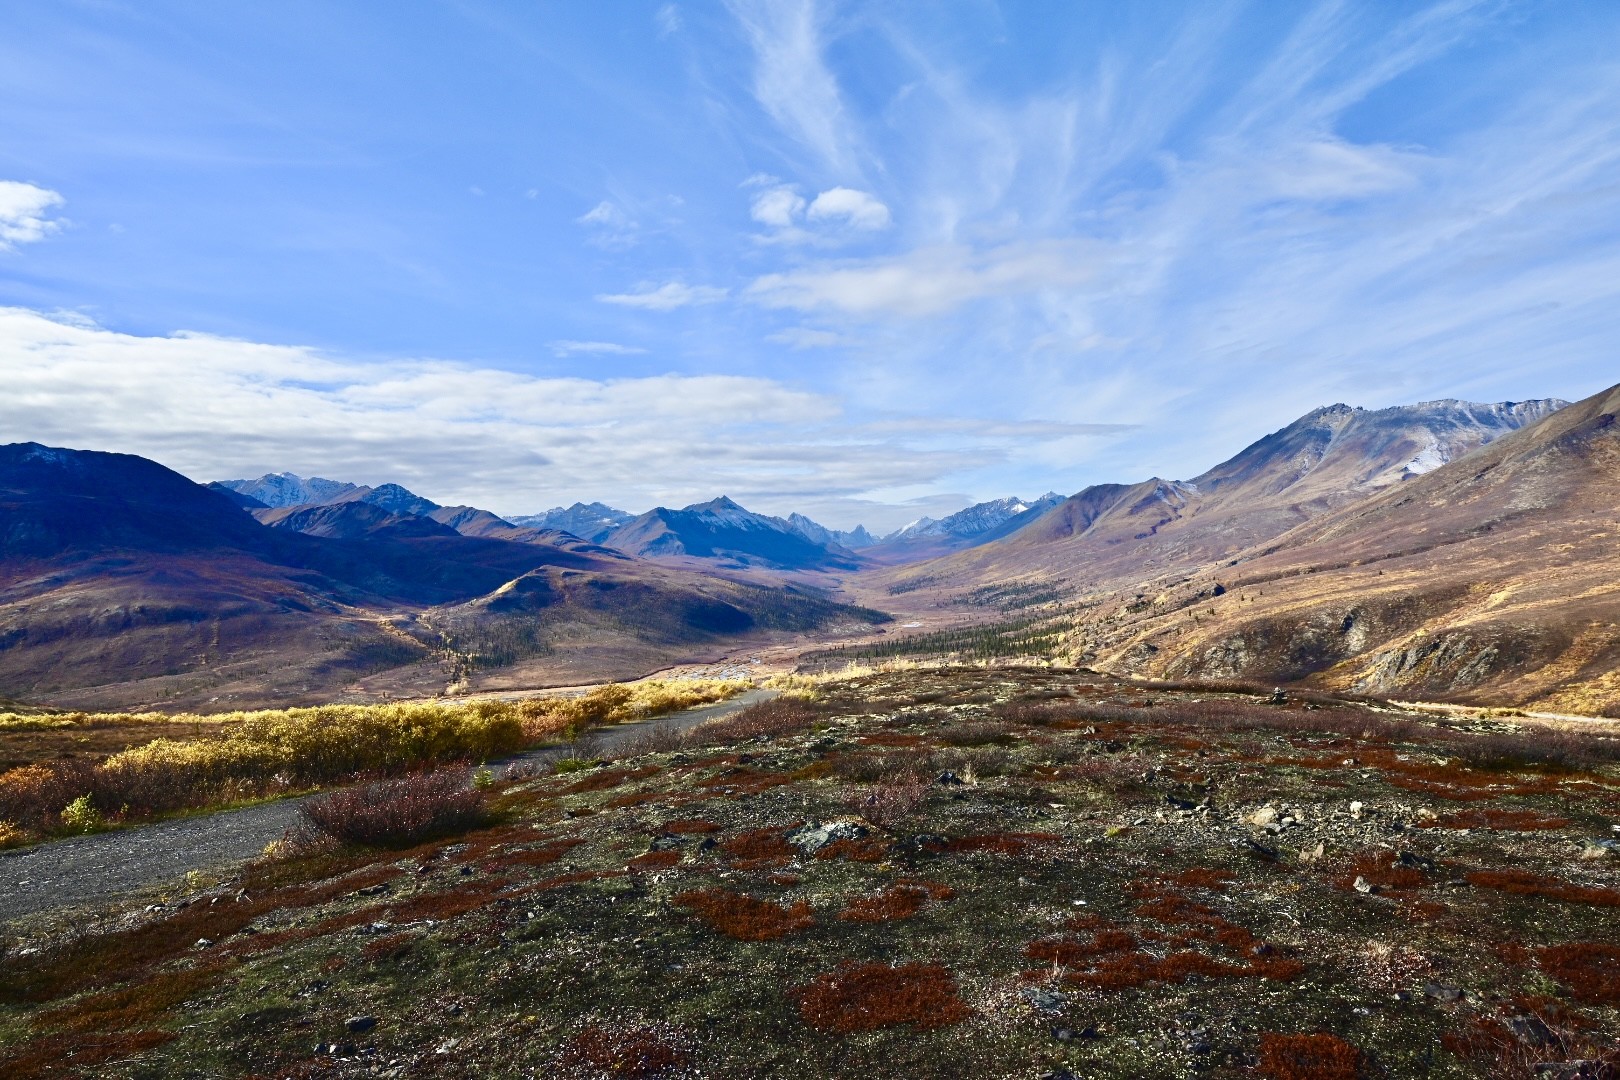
<point x="803" y="337"/>
<point x="666" y="297"/>
<point x="23" y="210"/>
<point x="605" y="214"/>
<point x="668" y="18"/>
<point x="1330" y="168"/>
<point x="928" y="281"/>
<point x="216" y="408"/>
<point x="778" y="207"/>
<point x="606" y="348"/>
<point x="857" y="209"/>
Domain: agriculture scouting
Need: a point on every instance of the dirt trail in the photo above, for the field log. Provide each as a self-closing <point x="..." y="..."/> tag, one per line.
<point x="89" y="870"/>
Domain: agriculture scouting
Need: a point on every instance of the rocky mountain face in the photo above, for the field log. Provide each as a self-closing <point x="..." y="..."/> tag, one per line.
<point x="588" y="521"/>
<point x="1329" y="458"/>
<point x="722" y="530"/>
<point x="1494" y="577"/>
<point x="288" y="489"/>
<point x="816" y="533"/>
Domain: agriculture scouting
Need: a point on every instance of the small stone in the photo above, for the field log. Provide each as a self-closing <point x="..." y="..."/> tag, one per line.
<point x="1180" y="804"/>
<point x="948" y="778"/>
<point x="359" y="1025"/>
<point x="1044" y="999"/>
<point x="1441" y="992"/>
<point x="665" y="843"/>
<point x="1362" y="885"/>
<point x="1254" y="847"/>
<point x="1531" y="1031"/>
<point x="204" y="943"/>
<point x="1355" y="810"/>
<point x="1264" y="816"/>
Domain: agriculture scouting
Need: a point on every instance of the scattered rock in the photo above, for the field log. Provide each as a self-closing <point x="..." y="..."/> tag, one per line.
<point x="1264" y="816"/>
<point x="1441" y="992"/>
<point x="1531" y="1031"/>
<point x="204" y="943"/>
<point x="665" y="843"/>
<point x="812" y="838"/>
<point x="1044" y="999"/>
<point x="1259" y="850"/>
<point x="359" y="1025"/>
<point x="1362" y="885"/>
<point x="1600" y="848"/>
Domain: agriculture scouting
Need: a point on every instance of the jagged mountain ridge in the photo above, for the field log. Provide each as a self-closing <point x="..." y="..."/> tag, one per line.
<point x="588" y="521"/>
<point x="721" y="529"/>
<point x="1328" y="458"/>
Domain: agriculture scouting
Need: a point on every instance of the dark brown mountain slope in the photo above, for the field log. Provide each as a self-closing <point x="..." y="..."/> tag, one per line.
<point x="1493" y="578"/>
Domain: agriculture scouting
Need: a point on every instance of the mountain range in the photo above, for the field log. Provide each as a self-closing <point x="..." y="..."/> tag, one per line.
<point x="719" y="529"/>
<point x="1448" y="550"/>
<point x="1445" y="548"/>
<point x="124" y="584"/>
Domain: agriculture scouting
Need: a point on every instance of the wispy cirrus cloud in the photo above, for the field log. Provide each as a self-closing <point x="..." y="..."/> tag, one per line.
<point x="793" y="83"/>
<point x="24" y="213"/>
<point x="666" y="297"/>
<point x="928" y="281"/>
<point x="593" y="348"/>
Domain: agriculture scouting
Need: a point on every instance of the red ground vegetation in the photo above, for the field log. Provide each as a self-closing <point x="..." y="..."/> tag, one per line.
<point x="744" y="917"/>
<point x="1590" y="969"/>
<point x="759" y="849"/>
<point x="688" y="826"/>
<point x="899" y="902"/>
<point x="544" y="855"/>
<point x="865" y="997"/>
<point x="654" y="860"/>
<point x="634" y="1053"/>
<point x="1308" y="1057"/>
<point x="1500" y="820"/>
<point x="65" y="1055"/>
<point x="867" y="850"/>
<point x="1109" y="958"/>
<point x="603" y="779"/>
<point x="1524" y="883"/>
<point x="1383" y="869"/>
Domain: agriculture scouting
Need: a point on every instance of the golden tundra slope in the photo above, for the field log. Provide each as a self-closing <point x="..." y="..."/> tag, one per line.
<point x="1494" y="578"/>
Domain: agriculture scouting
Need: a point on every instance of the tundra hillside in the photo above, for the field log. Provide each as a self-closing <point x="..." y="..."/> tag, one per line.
<point x="1015" y="872"/>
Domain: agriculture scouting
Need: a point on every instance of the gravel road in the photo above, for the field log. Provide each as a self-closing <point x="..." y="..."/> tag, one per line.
<point x="88" y="870"/>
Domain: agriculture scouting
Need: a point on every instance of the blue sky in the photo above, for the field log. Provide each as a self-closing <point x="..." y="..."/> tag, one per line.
<point x="865" y="261"/>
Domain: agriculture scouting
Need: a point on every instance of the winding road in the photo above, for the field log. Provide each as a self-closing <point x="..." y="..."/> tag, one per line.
<point x="87" y="870"/>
